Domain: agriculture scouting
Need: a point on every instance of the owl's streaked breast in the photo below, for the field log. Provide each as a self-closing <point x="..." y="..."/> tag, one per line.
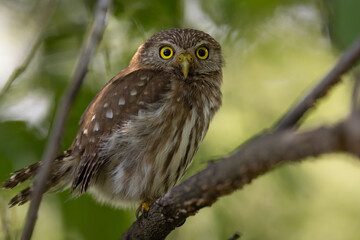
<point x="157" y="144"/>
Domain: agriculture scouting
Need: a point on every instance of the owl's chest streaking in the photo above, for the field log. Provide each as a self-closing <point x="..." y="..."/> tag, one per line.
<point x="148" y="151"/>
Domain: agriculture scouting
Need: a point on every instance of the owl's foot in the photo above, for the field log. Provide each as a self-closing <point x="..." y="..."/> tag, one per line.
<point x="143" y="208"/>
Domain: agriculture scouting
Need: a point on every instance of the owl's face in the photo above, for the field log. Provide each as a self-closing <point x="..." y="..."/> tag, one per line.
<point x="185" y="52"/>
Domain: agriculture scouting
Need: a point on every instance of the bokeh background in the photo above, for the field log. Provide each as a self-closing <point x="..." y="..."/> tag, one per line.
<point x="275" y="50"/>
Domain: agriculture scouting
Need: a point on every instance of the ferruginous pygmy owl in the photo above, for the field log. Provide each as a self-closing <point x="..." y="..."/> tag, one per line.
<point x="139" y="134"/>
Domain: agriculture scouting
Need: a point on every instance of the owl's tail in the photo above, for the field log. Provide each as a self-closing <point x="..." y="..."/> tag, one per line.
<point x="59" y="176"/>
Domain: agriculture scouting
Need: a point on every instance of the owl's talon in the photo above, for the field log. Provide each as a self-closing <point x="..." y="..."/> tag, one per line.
<point x="143" y="208"/>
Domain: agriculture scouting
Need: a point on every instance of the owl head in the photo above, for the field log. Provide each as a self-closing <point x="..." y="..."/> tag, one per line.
<point x="184" y="52"/>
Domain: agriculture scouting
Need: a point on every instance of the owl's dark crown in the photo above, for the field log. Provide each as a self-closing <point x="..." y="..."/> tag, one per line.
<point x="183" y="37"/>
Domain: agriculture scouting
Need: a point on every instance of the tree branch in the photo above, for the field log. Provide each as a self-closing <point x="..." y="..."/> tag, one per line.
<point x="57" y="130"/>
<point x="233" y="172"/>
<point x="345" y="63"/>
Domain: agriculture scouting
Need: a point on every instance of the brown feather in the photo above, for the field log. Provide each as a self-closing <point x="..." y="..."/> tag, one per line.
<point x="140" y="132"/>
<point x="62" y="166"/>
<point x="21" y="176"/>
<point x="124" y="96"/>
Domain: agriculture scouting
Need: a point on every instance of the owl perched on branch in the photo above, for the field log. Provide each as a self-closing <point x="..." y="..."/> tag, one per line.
<point x="139" y="134"/>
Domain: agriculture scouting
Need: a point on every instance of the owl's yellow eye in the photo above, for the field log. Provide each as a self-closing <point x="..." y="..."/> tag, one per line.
<point x="166" y="52"/>
<point x="202" y="53"/>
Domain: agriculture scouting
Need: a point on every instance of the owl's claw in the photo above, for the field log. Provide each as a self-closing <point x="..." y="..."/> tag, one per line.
<point x="143" y="208"/>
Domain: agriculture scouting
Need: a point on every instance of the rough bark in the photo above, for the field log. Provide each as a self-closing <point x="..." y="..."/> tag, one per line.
<point x="231" y="173"/>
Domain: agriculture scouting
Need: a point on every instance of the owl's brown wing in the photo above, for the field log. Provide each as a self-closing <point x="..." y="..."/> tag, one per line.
<point x="120" y="99"/>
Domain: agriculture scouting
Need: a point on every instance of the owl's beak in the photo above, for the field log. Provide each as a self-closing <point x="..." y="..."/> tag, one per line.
<point x="184" y="61"/>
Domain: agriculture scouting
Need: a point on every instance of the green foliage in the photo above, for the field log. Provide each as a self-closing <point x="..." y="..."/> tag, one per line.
<point x="274" y="51"/>
<point x="244" y="13"/>
<point x="150" y="15"/>
<point x="343" y="21"/>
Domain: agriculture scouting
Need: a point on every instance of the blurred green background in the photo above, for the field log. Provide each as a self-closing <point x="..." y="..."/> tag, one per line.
<point x="275" y="51"/>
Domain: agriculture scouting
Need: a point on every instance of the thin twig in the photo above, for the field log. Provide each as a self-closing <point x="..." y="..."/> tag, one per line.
<point x="234" y="172"/>
<point x="46" y="12"/>
<point x="56" y="133"/>
<point x="346" y="62"/>
<point x="356" y="93"/>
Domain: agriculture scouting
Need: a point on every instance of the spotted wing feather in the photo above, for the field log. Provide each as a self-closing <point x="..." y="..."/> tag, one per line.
<point x="21" y="176"/>
<point x="115" y="104"/>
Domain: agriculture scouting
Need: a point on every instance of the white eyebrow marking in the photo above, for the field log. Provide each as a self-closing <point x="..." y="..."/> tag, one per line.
<point x="105" y="105"/>
<point x="109" y="114"/>
<point x="93" y="117"/>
